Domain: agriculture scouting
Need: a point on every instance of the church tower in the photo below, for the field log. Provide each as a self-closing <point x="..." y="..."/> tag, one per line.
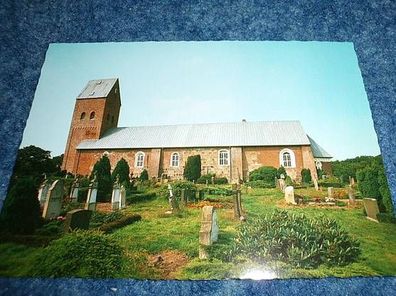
<point x="96" y="110"/>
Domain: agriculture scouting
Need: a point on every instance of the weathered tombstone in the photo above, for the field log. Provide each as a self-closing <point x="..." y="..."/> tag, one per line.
<point x="371" y="207"/>
<point x="53" y="203"/>
<point x="77" y="219"/>
<point x="116" y="195"/>
<point x="91" y="196"/>
<point x="74" y="191"/>
<point x="330" y="193"/>
<point x="282" y="184"/>
<point x="123" y="197"/>
<point x="172" y="201"/>
<point x="277" y="182"/>
<point x="237" y="205"/>
<point x="315" y="181"/>
<point x="43" y="192"/>
<point x="351" y="181"/>
<point x="351" y="194"/>
<point x="212" y="179"/>
<point x="289" y="195"/>
<point x="209" y="231"/>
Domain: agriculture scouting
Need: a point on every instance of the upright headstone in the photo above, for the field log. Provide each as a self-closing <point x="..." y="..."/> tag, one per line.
<point x="123" y="197"/>
<point x="315" y="181"/>
<point x="282" y="184"/>
<point x="371" y="207"/>
<point x="116" y="195"/>
<point x="91" y="196"/>
<point x="74" y="191"/>
<point x="212" y="179"/>
<point x="172" y="201"/>
<point x="43" y="192"/>
<point x="209" y="231"/>
<point x="351" y="181"/>
<point x="289" y="195"/>
<point x="53" y="203"/>
<point x="351" y="194"/>
<point x="77" y="219"/>
<point x="330" y="192"/>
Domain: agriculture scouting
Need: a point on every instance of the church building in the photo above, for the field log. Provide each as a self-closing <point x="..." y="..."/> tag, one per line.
<point x="230" y="150"/>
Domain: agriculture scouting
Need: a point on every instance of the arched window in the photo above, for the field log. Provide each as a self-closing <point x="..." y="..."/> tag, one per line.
<point x="287" y="158"/>
<point x="139" y="159"/>
<point x="175" y="159"/>
<point x="224" y="157"/>
<point x="82" y="116"/>
<point x="92" y="115"/>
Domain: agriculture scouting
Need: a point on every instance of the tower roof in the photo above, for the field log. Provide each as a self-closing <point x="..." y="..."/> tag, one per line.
<point x="99" y="88"/>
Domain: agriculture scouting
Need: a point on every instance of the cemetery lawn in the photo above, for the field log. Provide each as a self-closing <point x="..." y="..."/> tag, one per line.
<point x="164" y="246"/>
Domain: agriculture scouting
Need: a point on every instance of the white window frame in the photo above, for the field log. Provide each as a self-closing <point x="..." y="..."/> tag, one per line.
<point x="292" y="158"/>
<point x="177" y="160"/>
<point x="222" y="159"/>
<point x="137" y="161"/>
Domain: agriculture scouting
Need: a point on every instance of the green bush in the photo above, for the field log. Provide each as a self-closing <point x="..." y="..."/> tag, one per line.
<point x="218" y="191"/>
<point x="102" y="170"/>
<point x="51" y="228"/>
<point x="208" y="177"/>
<point x="260" y="184"/>
<point x="386" y="218"/>
<point x="384" y="190"/>
<point x="306" y="175"/>
<point x="80" y="254"/>
<point x="122" y="171"/>
<point x="192" y="169"/>
<point x="294" y="239"/>
<point x="265" y="173"/>
<point x="144" y="175"/>
<point x="21" y="210"/>
<point x="281" y="171"/>
<point x="124" y="221"/>
<point x="221" y="181"/>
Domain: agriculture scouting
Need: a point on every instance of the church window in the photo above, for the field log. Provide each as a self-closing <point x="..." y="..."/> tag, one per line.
<point x="224" y="157"/>
<point x="92" y="115"/>
<point x="175" y="159"/>
<point x="82" y="116"/>
<point x="139" y="160"/>
<point x="287" y="158"/>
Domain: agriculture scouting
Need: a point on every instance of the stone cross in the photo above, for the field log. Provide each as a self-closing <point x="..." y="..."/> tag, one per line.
<point x="315" y="181"/>
<point x="74" y="191"/>
<point x="371" y="207"/>
<point x="351" y="194"/>
<point x="77" y="219"/>
<point x="209" y="231"/>
<point x="43" y="192"/>
<point x="116" y="195"/>
<point x="53" y="203"/>
<point x="91" y="196"/>
<point x="289" y="195"/>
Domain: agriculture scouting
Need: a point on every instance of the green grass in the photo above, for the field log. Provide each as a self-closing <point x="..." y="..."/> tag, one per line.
<point x="158" y="232"/>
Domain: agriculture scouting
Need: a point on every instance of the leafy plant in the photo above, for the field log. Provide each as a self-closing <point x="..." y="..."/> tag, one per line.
<point x="208" y="178"/>
<point x="265" y="173"/>
<point x="144" y="175"/>
<point x="126" y="220"/>
<point x="260" y="184"/>
<point x="306" y="175"/>
<point x="192" y="169"/>
<point x="122" y="171"/>
<point x="105" y="186"/>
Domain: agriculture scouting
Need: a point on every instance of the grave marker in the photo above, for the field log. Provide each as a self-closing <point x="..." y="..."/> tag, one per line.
<point x="289" y="195"/>
<point x="209" y="231"/>
<point x="43" y="192"/>
<point x="123" y="197"/>
<point x="91" y="196"/>
<point x="74" y="191"/>
<point x="116" y="195"/>
<point x="77" y="219"/>
<point x="172" y="200"/>
<point x="282" y="184"/>
<point x="53" y="203"/>
<point x="371" y="207"/>
<point x="315" y="181"/>
<point x="330" y="193"/>
<point x="351" y="194"/>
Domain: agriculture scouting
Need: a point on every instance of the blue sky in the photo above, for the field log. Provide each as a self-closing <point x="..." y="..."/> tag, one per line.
<point x="318" y="83"/>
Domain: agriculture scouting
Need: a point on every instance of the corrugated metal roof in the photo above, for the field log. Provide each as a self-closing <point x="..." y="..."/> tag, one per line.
<point x="266" y="133"/>
<point x="317" y="150"/>
<point x="99" y="88"/>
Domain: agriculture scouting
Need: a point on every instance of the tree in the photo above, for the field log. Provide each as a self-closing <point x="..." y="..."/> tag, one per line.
<point x="21" y="209"/>
<point x="306" y="175"/>
<point x="281" y="171"/>
<point x="102" y="169"/>
<point x="122" y="170"/>
<point x="192" y="169"/>
<point x="264" y="173"/>
<point x="144" y="175"/>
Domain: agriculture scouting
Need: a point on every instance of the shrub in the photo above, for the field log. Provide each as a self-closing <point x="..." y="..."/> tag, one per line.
<point x="294" y="239"/>
<point x="218" y="191"/>
<point x="260" y="184"/>
<point x="221" y="180"/>
<point x="103" y="176"/>
<point x="192" y="169"/>
<point x="52" y="228"/>
<point x="265" y="173"/>
<point x="386" y="218"/>
<point x="306" y="175"/>
<point x="144" y="175"/>
<point x="122" y="170"/>
<point x="204" y="178"/>
<point x="138" y="197"/>
<point x="281" y="171"/>
<point x="21" y="209"/>
<point x="384" y="191"/>
<point x="81" y="254"/>
<point x="124" y="221"/>
<point x="368" y="182"/>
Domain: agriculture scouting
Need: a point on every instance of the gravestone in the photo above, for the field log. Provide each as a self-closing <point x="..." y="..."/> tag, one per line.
<point x="289" y="195"/>
<point x="209" y="231"/>
<point x="315" y="181"/>
<point x="351" y="194"/>
<point x="74" y="191"/>
<point x="172" y="201"/>
<point x="212" y="179"/>
<point x="116" y="195"/>
<point x="43" y="192"/>
<point x="91" y="196"/>
<point x="371" y="207"/>
<point x="330" y="194"/>
<point x="53" y="203"/>
<point x="351" y="181"/>
<point x="282" y="184"/>
<point x="123" y="197"/>
<point x="77" y="219"/>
